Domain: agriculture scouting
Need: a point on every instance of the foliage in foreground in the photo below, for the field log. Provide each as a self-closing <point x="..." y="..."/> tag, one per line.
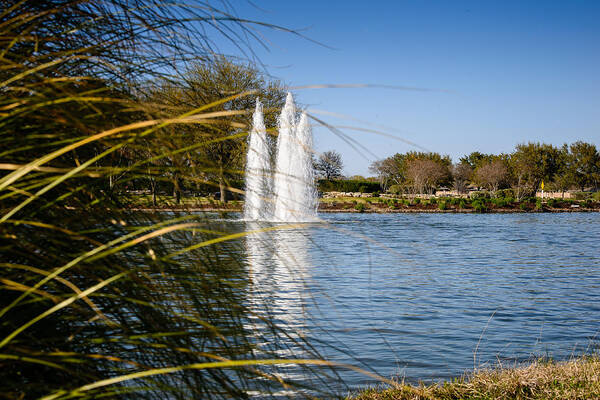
<point x="96" y="300"/>
<point x="575" y="379"/>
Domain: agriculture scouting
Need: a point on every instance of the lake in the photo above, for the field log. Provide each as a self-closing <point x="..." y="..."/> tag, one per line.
<point x="429" y="296"/>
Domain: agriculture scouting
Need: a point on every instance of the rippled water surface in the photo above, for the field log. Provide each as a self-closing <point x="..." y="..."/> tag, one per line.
<point x="428" y="296"/>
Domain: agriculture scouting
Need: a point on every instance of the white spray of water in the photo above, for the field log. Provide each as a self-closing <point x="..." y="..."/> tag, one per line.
<point x="293" y="187"/>
<point x="258" y="203"/>
<point x="282" y="181"/>
<point x="304" y="205"/>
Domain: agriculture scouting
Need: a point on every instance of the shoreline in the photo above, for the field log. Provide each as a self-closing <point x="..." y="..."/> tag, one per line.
<point x="381" y="211"/>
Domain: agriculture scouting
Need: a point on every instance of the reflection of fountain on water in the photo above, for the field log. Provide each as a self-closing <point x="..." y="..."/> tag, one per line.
<point x="294" y="194"/>
<point x="278" y="263"/>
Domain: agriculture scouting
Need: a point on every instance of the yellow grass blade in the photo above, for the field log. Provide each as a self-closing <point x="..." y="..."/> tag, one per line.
<point x="92" y="252"/>
<point x="65" y="282"/>
<point x="31" y="360"/>
<point x="62" y="305"/>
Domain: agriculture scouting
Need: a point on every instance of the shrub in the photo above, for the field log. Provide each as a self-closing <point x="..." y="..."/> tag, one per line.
<point x="462" y="203"/>
<point x="498" y="202"/>
<point x="416" y="200"/>
<point x="523" y="206"/>
<point x="433" y="200"/>
<point x="551" y="203"/>
<point x="442" y="205"/>
<point x="483" y="194"/>
<point x="360" y="207"/>
<point x="478" y="205"/>
<point x="538" y="204"/>
<point x="596" y="196"/>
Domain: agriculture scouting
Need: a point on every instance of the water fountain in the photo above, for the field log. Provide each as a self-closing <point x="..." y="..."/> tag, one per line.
<point x="257" y="206"/>
<point x="293" y="197"/>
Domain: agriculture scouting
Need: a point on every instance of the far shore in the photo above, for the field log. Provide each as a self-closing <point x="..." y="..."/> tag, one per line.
<point x="376" y="204"/>
<point x="378" y="211"/>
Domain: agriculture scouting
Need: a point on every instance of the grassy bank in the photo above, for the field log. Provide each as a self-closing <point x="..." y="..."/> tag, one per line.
<point x="575" y="379"/>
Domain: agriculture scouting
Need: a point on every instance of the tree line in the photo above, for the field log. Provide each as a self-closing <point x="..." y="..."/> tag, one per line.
<point x="202" y="155"/>
<point x="570" y="166"/>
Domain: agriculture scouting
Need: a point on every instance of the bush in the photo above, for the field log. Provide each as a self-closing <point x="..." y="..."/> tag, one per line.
<point x="433" y="200"/>
<point x="538" y="204"/>
<point x="478" y="205"/>
<point x="523" y="206"/>
<point x="416" y="200"/>
<point x="596" y="196"/>
<point x="551" y="203"/>
<point x="482" y="194"/>
<point x="360" y="207"/>
<point x="498" y="201"/>
<point x="462" y="203"/>
<point x="442" y="205"/>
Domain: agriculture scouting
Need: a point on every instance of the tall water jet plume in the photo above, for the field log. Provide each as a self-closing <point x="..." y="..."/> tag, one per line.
<point x="302" y="170"/>
<point x="258" y="203"/>
<point x="282" y="180"/>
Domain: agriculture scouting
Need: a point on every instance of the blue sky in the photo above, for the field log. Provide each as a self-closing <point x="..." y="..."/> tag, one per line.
<point x="500" y="73"/>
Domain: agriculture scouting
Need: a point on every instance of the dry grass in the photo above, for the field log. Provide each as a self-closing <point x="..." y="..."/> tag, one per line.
<point x="575" y="379"/>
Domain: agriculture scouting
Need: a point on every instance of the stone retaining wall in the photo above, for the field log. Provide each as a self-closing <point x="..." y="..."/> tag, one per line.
<point x="554" y="195"/>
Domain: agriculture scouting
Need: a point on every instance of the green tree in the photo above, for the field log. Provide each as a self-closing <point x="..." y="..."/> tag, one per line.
<point x="532" y="163"/>
<point x="390" y="170"/>
<point x="564" y="177"/>
<point x="585" y="164"/>
<point x="222" y="157"/>
<point x="476" y="159"/>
